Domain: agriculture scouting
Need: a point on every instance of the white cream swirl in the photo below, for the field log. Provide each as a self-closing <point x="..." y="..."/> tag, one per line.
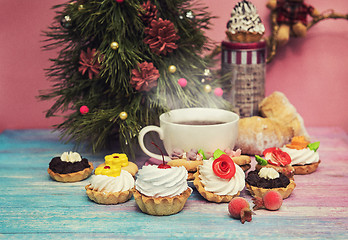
<point x="244" y="17"/>
<point x="70" y="157"/>
<point x="302" y="156"/>
<point x="159" y="182"/>
<point x="218" y="185"/>
<point x="268" y="173"/>
<point x="104" y="183"/>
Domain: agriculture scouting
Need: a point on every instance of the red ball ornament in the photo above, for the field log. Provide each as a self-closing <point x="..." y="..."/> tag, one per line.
<point x="182" y="82"/>
<point x="84" y="110"/>
<point x="218" y="92"/>
<point x="119" y="1"/>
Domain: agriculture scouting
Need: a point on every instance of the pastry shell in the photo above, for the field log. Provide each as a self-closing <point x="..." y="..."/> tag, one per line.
<point x="161" y="206"/>
<point x="244" y="36"/>
<point x="305" y="169"/>
<point x="260" y="192"/>
<point x="72" y="177"/>
<point x="108" y="197"/>
<point x="210" y="196"/>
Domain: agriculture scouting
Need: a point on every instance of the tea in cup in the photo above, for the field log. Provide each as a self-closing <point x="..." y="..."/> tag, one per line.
<point x="207" y="129"/>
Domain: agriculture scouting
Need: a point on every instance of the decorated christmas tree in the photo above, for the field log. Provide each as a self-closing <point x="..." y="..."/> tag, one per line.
<point x="122" y="63"/>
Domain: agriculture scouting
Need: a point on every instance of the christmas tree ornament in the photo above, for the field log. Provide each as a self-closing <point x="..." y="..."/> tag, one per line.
<point x="189" y="15"/>
<point x="119" y="1"/>
<point x="218" y="92"/>
<point x="84" y="110"/>
<point x="182" y="82"/>
<point x="148" y="12"/>
<point x="172" y="68"/>
<point x="123" y="115"/>
<point x="207" y="88"/>
<point x="144" y="77"/>
<point x="203" y="80"/>
<point x="114" y="45"/>
<point x="90" y="62"/>
<point x="161" y="36"/>
<point x="81" y="7"/>
<point x="65" y="22"/>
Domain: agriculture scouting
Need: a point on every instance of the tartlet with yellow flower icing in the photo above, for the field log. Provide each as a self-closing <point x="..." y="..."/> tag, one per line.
<point x="110" y="184"/>
<point x="69" y="167"/>
<point x="120" y="159"/>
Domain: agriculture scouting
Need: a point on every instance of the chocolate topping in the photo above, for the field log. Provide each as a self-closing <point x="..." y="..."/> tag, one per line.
<point x="59" y="166"/>
<point x="254" y="179"/>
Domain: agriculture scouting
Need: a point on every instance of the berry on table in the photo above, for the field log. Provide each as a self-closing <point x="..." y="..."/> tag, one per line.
<point x="239" y="208"/>
<point x="272" y="200"/>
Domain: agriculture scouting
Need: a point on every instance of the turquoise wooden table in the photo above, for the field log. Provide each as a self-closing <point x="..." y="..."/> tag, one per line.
<point x="35" y="207"/>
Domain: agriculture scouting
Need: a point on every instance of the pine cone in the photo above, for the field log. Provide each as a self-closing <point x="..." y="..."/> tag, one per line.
<point x="145" y="77"/>
<point x="161" y="36"/>
<point x="148" y="12"/>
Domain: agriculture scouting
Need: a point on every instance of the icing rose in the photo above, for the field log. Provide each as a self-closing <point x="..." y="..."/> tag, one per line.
<point x="161" y="182"/>
<point x="268" y="173"/>
<point x="302" y="156"/>
<point x="70" y="157"/>
<point x="104" y="183"/>
<point x="244" y="17"/>
<point x="218" y="185"/>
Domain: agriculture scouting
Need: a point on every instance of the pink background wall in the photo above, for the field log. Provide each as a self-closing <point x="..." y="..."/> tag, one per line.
<point x="312" y="71"/>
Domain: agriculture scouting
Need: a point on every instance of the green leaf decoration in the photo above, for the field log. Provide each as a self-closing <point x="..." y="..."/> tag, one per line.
<point x="218" y="153"/>
<point x="314" y="146"/>
<point x="260" y="160"/>
<point x="202" y="152"/>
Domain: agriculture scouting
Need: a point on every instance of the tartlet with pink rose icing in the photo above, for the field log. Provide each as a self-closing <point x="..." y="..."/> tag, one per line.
<point x="219" y="179"/>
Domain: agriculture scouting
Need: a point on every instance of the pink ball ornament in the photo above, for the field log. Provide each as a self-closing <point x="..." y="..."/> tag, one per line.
<point x="84" y="110"/>
<point x="182" y="82"/>
<point x="218" y="92"/>
<point x="119" y="1"/>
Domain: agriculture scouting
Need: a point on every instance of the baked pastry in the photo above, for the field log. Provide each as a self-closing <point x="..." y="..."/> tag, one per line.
<point x="259" y="182"/>
<point x="278" y="108"/>
<point x="219" y="180"/>
<point x="190" y="160"/>
<point x="256" y="134"/>
<point x="69" y="167"/>
<point x="161" y="190"/>
<point x="304" y="155"/>
<point x="278" y="124"/>
<point x="120" y="159"/>
<point x="278" y="160"/>
<point x="245" y="24"/>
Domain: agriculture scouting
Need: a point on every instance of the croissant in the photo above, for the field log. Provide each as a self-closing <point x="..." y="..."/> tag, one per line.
<point x="278" y="124"/>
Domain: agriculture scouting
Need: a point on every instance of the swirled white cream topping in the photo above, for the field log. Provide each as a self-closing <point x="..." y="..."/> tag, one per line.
<point x="302" y="156"/>
<point x="220" y="186"/>
<point x="104" y="183"/>
<point x="70" y="157"/>
<point x="268" y="173"/>
<point x="158" y="182"/>
<point x="244" y="17"/>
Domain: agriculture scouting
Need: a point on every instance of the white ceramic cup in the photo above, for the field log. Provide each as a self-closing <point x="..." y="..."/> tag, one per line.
<point x="186" y="137"/>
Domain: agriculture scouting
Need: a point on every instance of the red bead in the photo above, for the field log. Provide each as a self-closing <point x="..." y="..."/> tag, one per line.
<point x="84" y="110"/>
<point x="119" y="1"/>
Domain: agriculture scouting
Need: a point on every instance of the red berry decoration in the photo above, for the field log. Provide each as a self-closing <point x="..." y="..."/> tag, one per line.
<point x="272" y="200"/>
<point x="119" y="1"/>
<point x="276" y="156"/>
<point x="162" y="165"/>
<point x="84" y="110"/>
<point x="239" y="209"/>
<point x="224" y="167"/>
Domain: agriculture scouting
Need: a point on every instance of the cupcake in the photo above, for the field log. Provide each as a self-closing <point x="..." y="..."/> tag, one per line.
<point x="304" y="155"/>
<point x="190" y="160"/>
<point x="220" y="179"/>
<point x="69" y="167"/>
<point x="259" y="182"/>
<point x="161" y="189"/>
<point x="277" y="159"/>
<point x="245" y="25"/>
<point x="110" y="184"/>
